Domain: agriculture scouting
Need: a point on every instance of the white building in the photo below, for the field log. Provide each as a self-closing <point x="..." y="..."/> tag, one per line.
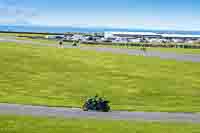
<point x="157" y="40"/>
<point x="131" y="34"/>
<point x="154" y="40"/>
<point x="176" y="40"/>
<point x="77" y="37"/>
<point x="54" y="36"/>
<point x="136" y="40"/>
<point x="147" y="35"/>
<point x="179" y="36"/>
<point x="120" y="40"/>
<point x="190" y="41"/>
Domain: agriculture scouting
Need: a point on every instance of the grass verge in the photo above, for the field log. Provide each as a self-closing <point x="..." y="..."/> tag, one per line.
<point x="174" y="50"/>
<point x="27" y="124"/>
<point x="65" y="77"/>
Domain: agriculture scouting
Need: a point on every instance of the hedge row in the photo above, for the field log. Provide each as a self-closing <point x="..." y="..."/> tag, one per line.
<point x="191" y="46"/>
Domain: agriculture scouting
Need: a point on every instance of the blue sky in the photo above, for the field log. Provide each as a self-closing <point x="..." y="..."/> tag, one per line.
<point x="148" y="14"/>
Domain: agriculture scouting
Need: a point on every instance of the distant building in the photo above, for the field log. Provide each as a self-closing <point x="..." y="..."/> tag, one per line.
<point x="120" y="40"/>
<point x="153" y="40"/>
<point x="190" y="41"/>
<point x="178" y="40"/>
<point x="131" y="35"/>
<point x="157" y="40"/>
<point x="180" y="36"/>
<point x="77" y="37"/>
<point x="54" y="36"/>
<point x="136" y="40"/>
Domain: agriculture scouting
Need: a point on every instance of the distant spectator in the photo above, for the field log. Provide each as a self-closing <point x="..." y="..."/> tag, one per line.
<point x="75" y="43"/>
<point x="61" y="43"/>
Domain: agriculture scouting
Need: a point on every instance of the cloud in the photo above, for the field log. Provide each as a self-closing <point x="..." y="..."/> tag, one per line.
<point x="9" y="2"/>
<point x="17" y="12"/>
<point x="11" y="21"/>
<point x="14" y="11"/>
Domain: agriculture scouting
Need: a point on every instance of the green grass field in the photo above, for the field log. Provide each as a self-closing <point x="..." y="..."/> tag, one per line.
<point x="176" y="50"/>
<point x="65" y="77"/>
<point x="21" y="34"/>
<point x="19" y="124"/>
<point x="45" y="41"/>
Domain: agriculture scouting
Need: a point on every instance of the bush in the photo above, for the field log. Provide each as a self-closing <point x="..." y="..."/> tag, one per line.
<point x="96" y="104"/>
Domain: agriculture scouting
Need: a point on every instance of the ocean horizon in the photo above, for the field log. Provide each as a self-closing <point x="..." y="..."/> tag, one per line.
<point x="54" y="29"/>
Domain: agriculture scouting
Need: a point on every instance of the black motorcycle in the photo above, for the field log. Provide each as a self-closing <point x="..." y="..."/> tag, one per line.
<point x="96" y="104"/>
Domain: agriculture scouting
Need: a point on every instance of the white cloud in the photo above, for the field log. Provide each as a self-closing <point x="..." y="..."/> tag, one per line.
<point x="13" y="12"/>
<point x="118" y="20"/>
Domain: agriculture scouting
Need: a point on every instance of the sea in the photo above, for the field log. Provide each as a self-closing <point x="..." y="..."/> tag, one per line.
<point x="54" y="29"/>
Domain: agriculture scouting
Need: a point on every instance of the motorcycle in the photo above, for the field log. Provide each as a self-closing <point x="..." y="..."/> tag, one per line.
<point x="96" y="104"/>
